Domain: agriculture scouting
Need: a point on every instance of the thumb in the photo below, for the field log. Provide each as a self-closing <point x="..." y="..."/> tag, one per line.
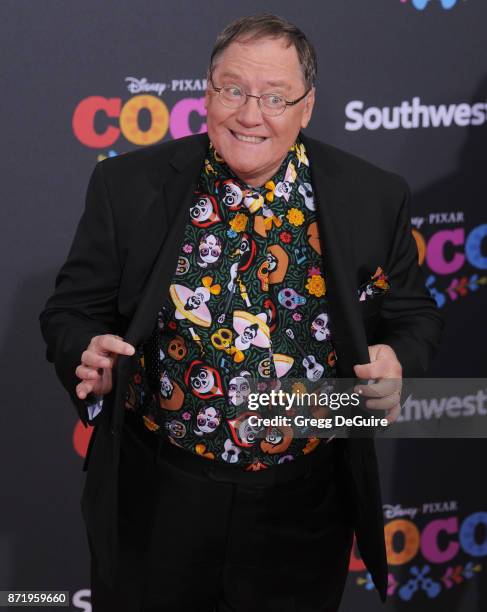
<point x="362" y="370"/>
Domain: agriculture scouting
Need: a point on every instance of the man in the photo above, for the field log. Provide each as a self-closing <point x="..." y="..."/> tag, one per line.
<point x="252" y="251"/>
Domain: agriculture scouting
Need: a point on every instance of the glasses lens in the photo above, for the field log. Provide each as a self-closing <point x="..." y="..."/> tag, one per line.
<point x="272" y="104"/>
<point x="232" y="96"/>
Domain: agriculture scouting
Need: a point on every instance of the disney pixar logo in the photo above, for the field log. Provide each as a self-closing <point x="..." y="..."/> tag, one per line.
<point x="420" y="5"/>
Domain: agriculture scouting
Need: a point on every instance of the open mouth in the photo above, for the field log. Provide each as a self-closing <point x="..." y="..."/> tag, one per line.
<point x="248" y="139"/>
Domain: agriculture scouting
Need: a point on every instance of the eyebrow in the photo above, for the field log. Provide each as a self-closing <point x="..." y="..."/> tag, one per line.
<point x="271" y="83"/>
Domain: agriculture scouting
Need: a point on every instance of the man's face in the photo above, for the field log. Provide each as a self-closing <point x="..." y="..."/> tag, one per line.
<point x="258" y="67"/>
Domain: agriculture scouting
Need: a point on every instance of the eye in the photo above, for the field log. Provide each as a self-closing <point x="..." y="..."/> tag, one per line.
<point x="232" y="91"/>
<point x="273" y="100"/>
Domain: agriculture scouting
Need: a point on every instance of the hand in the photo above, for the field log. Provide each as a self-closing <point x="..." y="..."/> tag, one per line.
<point x="385" y="367"/>
<point x="97" y="362"/>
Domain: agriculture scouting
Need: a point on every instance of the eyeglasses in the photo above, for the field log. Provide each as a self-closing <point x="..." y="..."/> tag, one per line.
<point x="233" y="96"/>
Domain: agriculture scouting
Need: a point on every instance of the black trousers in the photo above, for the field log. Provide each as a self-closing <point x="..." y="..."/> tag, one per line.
<point x="199" y="536"/>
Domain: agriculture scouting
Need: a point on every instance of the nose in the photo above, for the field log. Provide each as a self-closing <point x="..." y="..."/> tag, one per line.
<point x="250" y="114"/>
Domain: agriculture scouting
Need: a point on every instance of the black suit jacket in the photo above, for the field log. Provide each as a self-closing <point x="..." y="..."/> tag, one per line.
<point x="121" y="263"/>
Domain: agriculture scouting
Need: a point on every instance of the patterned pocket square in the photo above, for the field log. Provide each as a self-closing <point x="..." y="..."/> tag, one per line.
<point x="378" y="283"/>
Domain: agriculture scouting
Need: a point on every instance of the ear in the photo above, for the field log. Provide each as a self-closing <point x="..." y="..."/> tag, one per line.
<point x="309" y="103"/>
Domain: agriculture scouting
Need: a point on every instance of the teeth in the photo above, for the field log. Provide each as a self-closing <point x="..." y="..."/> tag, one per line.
<point x="254" y="139"/>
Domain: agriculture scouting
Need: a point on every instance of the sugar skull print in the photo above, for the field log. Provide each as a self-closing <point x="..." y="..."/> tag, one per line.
<point x="289" y="298"/>
<point x="306" y="191"/>
<point x="239" y="388"/>
<point x="319" y="327"/>
<point x="177" y="348"/>
<point x="230" y="193"/>
<point x="252" y="330"/>
<point x="244" y="433"/>
<point x="207" y="420"/>
<point x="192" y="304"/>
<point x="171" y="396"/>
<point x="204" y="211"/>
<point x="209" y="250"/>
<point x="203" y="380"/>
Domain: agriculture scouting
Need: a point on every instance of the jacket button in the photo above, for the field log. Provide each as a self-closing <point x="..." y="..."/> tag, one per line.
<point x="114" y="429"/>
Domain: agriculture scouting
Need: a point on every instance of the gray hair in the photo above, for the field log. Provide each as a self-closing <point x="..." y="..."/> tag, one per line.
<point x="266" y="25"/>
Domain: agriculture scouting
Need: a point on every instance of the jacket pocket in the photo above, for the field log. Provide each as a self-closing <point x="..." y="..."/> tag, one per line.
<point x="371" y="307"/>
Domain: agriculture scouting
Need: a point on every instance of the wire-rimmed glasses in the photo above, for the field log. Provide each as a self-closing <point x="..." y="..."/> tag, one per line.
<point x="271" y="104"/>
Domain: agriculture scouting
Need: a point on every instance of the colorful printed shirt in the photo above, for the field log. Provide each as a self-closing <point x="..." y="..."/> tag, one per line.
<point x="248" y="300"/>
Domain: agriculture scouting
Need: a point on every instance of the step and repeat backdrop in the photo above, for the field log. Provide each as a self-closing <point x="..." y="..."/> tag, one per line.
<point x="401" y="83"/>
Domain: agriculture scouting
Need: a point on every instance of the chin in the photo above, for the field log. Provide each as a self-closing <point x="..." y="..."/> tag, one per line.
<point x="241" y="158"/>
<point x="241" y="164"/>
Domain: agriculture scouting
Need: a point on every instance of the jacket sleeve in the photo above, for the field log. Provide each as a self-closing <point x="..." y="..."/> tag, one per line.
<point x="84" y="302"/>
<point x="411" y="322"/>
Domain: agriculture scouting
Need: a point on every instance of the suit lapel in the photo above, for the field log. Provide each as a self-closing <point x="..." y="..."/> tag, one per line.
<point x="348" y="332"/>
<point x="339" y="260"/>
<point x="171" y="212"/>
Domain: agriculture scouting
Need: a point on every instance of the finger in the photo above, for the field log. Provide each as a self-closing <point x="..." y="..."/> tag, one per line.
<point x="383" y="403"/>
<point x="114" y="344"/>
<point x="394" y="414"/>
<point x="384" y="386"/>
<point x="84" y="388"/>
<point x="95" y="360"/>
<point x="376" y="369"/>
<point x="86" y="373"/>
